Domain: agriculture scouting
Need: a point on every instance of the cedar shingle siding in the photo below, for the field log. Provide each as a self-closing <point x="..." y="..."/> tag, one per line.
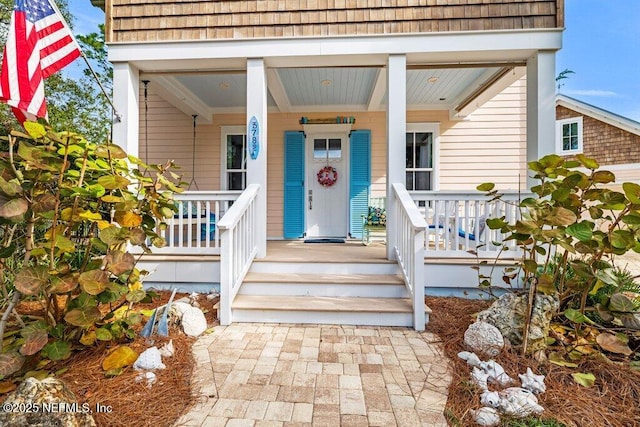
<point x="165" y="20"/>
<point x="608" y="144"/>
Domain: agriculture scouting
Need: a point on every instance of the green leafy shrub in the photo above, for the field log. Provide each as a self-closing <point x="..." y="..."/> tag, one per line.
<point x="70" y="210"/>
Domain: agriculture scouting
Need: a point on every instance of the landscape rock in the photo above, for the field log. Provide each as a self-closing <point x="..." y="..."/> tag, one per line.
<point x="64" y="409"/>
<point x="486" y="416"/>
<point x="180" y="306"/>
<point x="509" y="312"/>
<point x="482" y="337"/>
<point x="193" y="322"/>
<point x="480" y="378"/>
<point x="149" y="360"/>
<point x="518" y="402"/>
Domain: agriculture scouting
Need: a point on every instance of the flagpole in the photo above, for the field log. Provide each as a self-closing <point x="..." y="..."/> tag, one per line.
<point x="118" y="118"/>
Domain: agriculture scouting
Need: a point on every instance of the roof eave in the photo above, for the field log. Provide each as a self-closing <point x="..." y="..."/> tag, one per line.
<point x="98" y="3"/>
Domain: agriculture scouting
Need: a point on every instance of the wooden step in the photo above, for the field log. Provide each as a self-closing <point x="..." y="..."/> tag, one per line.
<point x="335" y="304"/>
<point x="352" y="279"/>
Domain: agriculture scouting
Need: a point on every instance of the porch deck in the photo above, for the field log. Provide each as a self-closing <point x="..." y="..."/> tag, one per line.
<point x="352" y="251"/>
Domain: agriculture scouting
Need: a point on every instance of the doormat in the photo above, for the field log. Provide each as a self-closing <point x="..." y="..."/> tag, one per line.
<point x="324" y="240"/>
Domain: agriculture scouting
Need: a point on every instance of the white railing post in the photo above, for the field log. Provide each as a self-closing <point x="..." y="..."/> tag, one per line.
<point x="239" y="246"/>
<point x="409" y="250"/>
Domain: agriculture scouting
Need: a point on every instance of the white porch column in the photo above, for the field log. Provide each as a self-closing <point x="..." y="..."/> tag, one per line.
<point x="126" y="101"/>
<point x="541" y="107"/>
<point x="257" y="168"/>
<point x="396" y="139"/>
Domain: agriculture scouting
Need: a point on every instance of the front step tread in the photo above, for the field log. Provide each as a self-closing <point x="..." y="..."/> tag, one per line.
<point x="334" y="304"/>
<point x="352" y="279"/>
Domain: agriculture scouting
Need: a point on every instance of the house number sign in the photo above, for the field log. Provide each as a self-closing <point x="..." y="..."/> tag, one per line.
<point x="254" y="138"/>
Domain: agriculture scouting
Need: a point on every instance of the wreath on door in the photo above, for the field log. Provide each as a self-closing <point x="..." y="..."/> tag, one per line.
<point x="327" y="176"/>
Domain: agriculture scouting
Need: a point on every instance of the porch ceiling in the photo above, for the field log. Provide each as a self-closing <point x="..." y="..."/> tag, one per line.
<point x="325" y="89"/>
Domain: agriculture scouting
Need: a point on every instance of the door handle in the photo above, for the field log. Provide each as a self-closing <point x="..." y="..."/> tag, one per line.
<point x="310" y="199"/>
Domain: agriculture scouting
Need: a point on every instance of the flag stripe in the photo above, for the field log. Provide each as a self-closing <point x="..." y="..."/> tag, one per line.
<point x="39" y="44"/>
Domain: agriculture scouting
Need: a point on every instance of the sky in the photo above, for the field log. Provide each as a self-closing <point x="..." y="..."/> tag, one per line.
<point x="601" y="45"/>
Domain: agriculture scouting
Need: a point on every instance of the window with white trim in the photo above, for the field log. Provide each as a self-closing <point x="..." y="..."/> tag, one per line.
<point x="420" y="157"/>
<point x="234" y="157"/>
<point x="569" y="136"/>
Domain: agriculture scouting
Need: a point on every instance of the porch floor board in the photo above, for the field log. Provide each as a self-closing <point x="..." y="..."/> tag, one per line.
<point x="353" y="251"/>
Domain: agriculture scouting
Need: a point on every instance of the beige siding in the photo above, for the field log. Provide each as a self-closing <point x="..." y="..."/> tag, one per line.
<point x="488" y="146"/>
<point x="164" y="20"/>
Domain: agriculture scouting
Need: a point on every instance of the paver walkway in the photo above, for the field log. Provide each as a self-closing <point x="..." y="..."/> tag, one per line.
<point x="321" y="375"/>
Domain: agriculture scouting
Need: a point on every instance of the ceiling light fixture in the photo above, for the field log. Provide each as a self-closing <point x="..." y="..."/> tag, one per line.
<point x="326" y="82"/>
<point x="223" y="85"/>
<point x="432" y="79"/>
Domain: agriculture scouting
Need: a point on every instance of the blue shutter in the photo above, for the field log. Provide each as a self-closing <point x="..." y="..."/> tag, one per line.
<point x="360" y="179"/>
<point x="293" y="185"/>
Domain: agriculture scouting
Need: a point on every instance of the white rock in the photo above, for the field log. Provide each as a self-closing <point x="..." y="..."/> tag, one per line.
<point x="167" y="350"/>
<point x="481" y="337"/>
<point x="479" y="378"/>
<point x="193" y="322"/>
<point x="486" y="416"/>
<point x="471" y="358"/>
<point x="213" y="295"/>
<point x="496" y="372"/>
<point x="179" y="307"/>
<point x="149" y="360"/>
<point x="532" y="382"/>
<point x="149" y="377"/>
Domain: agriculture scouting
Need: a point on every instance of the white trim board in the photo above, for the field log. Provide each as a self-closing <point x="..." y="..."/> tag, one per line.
<point x="309" y="51"/>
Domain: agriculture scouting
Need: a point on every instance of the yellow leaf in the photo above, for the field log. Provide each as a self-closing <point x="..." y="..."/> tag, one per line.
<point x="88" y="338"/>
<point x="119" y="358"/>
<point x="102" y="224"/>
<point x="7" y="386"/>
<point x="128" y="219"/>
<point x="36" y="130"/>
<point x="120" y="313"/>
<point x="92" y="216"/>
<point x="135" y="286"/>
<point x="111" y="199"/>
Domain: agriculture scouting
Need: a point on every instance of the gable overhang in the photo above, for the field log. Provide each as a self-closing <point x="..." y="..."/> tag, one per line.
<point x="605" y="116"/>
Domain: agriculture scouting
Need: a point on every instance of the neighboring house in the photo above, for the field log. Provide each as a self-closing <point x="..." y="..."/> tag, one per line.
<point x="613" y="140"/>
<point x="264" y="103"/>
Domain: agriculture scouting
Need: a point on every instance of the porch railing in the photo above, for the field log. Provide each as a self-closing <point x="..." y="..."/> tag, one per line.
<point x="457" y="222"/>
<point x="193" y="229"/>
<point x="409" y="240"/>
<point x="239" y="248"/>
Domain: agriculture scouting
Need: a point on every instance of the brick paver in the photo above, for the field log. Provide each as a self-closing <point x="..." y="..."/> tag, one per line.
<point x="252" y="374"/>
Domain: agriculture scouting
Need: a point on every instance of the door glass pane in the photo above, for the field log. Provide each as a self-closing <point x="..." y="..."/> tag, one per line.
<point x="236" y="157"/>
<point x="236" y="180"/>
<point x="423" y="150"/>
<point x="319" y="148"/>
<point x="335" y="148"/>
<point x="422" y="180"/>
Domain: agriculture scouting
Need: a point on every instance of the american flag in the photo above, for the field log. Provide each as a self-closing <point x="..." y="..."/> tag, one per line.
<point x="39" y="44"/>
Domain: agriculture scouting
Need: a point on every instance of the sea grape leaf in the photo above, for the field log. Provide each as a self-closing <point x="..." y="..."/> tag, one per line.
<point x="119" y="262"/>
<point x="10" y="363"/>
<point x="13" y="208"/>
<point x="34" y="342"/>
<point x="94" y="281"/>
<point x="57" y="350"/>
<point x="30" y="280"/>
<point x="612" y="343"/>
<point x="83" y="317"/>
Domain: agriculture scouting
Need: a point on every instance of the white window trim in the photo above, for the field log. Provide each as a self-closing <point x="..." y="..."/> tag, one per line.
<point x="224" y="131"/>
<point x="435" y="129"/>
<point x="559" y="124"/>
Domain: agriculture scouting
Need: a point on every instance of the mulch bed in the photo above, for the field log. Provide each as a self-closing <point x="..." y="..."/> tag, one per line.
<point x="612" y="401"/>
<point x="132" y="403"/>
